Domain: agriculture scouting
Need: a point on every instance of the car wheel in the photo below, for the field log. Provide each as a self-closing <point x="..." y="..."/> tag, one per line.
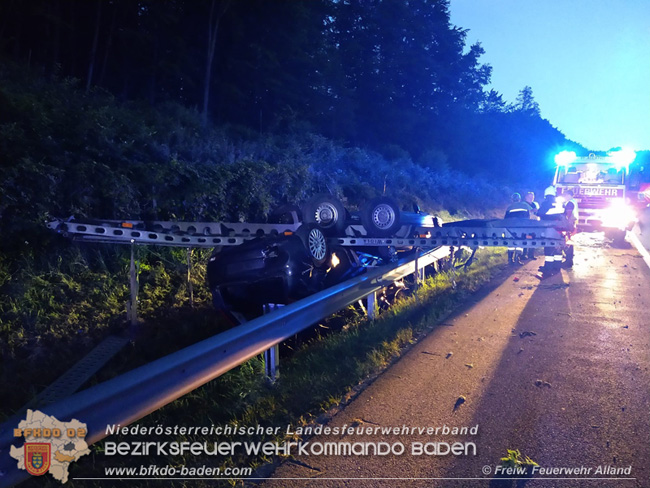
<point x="326" y="212"/>
<point x="315" y="243"/>
<point x="381" y="217"/>
<point x="387" y="254"/>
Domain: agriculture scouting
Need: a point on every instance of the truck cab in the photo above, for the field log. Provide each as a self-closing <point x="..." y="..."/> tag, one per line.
<point x="599" y="185"/>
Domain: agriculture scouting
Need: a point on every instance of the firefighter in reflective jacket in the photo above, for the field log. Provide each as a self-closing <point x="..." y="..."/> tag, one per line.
<point x="548" y="203"/>
<point x="574" y="203"/>
<point x="571" y="216"/>
<point x="551" y="210"/>
<point x="521" y="210"/>
<point x="529" y="252"/>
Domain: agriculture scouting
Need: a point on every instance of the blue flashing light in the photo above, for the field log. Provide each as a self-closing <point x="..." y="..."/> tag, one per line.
<point x="623" y="158"/>
<point x="564" y="158"/>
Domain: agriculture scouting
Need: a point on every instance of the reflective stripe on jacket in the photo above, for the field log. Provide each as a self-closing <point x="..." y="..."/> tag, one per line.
<point x="518" y="209"/>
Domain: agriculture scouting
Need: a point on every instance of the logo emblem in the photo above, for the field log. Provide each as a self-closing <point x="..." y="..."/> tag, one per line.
<point x="37" y="457"/>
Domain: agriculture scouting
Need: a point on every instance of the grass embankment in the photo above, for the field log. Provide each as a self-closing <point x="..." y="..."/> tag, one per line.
<point x="70" y="151"/>
<point x="320" y="376"/>
<point x="57" y="311"/>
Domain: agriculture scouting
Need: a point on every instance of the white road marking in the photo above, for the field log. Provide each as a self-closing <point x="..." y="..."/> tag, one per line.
<point x="639" y="247"/>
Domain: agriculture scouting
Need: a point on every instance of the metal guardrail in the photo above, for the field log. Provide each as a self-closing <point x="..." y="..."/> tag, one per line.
<point x="133" y="395"/>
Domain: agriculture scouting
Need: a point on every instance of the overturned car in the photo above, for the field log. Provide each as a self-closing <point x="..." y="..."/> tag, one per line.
<point x="290" y="266"/>
<point x="283" y="269"/>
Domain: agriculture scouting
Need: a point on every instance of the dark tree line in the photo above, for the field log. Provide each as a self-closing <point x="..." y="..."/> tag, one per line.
<point x="394" y="76"/>
<point x="220" y="110"/>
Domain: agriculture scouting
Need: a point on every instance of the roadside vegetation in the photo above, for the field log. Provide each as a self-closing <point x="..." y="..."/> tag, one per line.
<point x="84" y="154"/>
<point x="318" y="378"/>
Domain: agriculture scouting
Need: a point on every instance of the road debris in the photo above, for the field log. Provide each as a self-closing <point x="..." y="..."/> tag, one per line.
<point x="449" y="354"/>
<point x="461" y="399"/>
<point x="303" y="465"/>
<point x="360" y="421"/>
<point x="527" y="333"/>
<point x="554" y="286"/>
<point x="516" y="459"/>
<point x="542" y="383"/>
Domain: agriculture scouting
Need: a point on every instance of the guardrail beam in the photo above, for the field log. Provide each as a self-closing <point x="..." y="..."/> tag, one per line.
<point x="133" y="395"/>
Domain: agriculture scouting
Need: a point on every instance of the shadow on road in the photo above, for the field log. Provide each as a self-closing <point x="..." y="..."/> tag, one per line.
<point x="566" y="390"/>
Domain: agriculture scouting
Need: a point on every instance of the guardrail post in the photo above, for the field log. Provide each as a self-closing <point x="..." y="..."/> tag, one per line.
<point x="371" y="305"/>
<point x="271" y="359"/>
<point x="189" y="276"/>
<point x="132" y="305"/>
<point x="417" y="270"/>
<point x="271" y="355"/>
<point x="452" y="266"/>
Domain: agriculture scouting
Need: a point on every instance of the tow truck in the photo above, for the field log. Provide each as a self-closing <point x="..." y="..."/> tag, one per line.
<point x="601" y="188"/>
<point x="310" y="248"/>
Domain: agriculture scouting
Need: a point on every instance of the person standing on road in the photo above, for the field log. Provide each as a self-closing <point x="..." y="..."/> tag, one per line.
<point x="521" y="210"/>
<point x="550" y="210"/>
<point x="571" y="199"/>
<point x="529" y="252"/>
<point x="530" y="200"/>
<point x="572" y="221"/>
<point x="548" y="203"/>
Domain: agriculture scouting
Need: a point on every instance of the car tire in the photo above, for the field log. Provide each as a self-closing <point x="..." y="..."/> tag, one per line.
<point x="388" y="254"/>
<point x="381" y="217"/>
<point x="315" y="242"/>
<point x="327" y="212"/>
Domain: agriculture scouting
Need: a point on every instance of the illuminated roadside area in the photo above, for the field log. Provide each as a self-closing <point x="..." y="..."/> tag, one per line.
<point x="555" y="369"/>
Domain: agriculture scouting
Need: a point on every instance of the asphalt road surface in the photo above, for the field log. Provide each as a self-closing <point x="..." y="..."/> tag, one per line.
<point x="555" y="369"/>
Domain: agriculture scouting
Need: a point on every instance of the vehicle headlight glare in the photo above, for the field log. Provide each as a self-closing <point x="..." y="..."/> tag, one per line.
<point x="618" y="215"/>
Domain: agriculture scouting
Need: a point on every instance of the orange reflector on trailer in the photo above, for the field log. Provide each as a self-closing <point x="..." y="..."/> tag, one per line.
<point x="287" y="233"/>
<point x="127" y="225"/>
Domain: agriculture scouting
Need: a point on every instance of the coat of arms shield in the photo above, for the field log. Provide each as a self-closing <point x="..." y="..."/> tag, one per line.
<point x="37" y="457"/>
